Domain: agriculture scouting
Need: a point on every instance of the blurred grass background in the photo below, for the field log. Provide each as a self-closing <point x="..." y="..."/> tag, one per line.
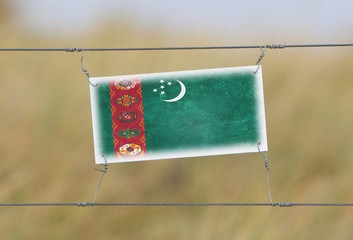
<point x="46" y="145"/>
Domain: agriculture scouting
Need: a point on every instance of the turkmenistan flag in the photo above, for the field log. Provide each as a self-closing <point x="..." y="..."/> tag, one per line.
<point x="178" y="114"/>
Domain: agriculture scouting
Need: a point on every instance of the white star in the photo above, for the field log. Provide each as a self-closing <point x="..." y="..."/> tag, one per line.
<point x="162" y="81"/>
<point x="162" y="92"/>
<point x="162" y="86"/>
<point x="155" y="90"/>
<point x="169" y="83"/>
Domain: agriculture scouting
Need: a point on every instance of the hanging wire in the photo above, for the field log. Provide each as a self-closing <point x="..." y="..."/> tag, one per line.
<point x="85" y="70"/>
<point x="260" y="58"/>
<point x="104" y="171"/>
<point x="270" y="46"/>
<point x="263" y="154"/>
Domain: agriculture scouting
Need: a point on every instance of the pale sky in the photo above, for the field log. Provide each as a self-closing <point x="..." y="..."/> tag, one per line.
<point x="319" y="21"/>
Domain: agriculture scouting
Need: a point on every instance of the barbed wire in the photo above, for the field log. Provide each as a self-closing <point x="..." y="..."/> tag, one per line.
<point x="267" y="46"/>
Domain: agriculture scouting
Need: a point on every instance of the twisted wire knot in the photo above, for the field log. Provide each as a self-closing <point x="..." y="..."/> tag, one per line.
<point x="67" y="49"/>
<point x="261" y="56"/>
<point x="86" y="72"/>
<point x="267" y="164"/>
<point x="276" y="46"/>
<point x="283" y="204"/>
<point x="84" y="204"/>
<point x="263" y="48"/>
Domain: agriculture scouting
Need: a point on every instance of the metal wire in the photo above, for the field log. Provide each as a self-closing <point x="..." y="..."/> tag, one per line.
<point x="263" y="154"/>
<point x="88" y="204"/>
<point x="270" y="46"/>
<point x="104" y="171"/>
<point x="259" y="60"/>
<point x="84" y="70"/>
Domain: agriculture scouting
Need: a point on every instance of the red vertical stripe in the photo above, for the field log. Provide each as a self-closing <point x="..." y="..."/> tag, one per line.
<point x="127" y="117"/>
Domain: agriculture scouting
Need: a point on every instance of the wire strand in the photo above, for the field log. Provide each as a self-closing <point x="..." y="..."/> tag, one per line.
<point x="263" y="154"/>
<point x="87" y="204"/>
<point x="270" y="46"/>
<point x="104" y="171"/>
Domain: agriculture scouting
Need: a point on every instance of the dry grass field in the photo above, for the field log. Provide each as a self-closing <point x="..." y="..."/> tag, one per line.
<point x="46" y="146"/>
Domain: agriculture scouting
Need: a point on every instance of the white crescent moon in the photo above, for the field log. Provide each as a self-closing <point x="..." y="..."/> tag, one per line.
<point x="181" y="94"/>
